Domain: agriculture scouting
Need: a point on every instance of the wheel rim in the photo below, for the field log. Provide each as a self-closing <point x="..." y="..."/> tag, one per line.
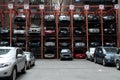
<point x="104" y="62"/>
<point x="117" y="65"/>
<point x="14" y="74"/>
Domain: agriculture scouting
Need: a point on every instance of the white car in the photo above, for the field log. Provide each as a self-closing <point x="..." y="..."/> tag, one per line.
<point x="90" y="53"/>
<point x="30" y="59"/>
<point x="12" y="61"/>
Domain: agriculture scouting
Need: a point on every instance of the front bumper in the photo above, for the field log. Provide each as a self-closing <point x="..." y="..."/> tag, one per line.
<point x="6" y="71"/>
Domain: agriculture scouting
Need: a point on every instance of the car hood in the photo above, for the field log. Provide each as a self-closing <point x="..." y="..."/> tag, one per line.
<point x="5" y="58"/>
<point x="110" y="54"/>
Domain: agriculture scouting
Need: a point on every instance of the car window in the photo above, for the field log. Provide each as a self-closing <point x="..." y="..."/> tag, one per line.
<point x="19" y="51"/>
<point x="110" y="49"/>
<point x="4" y="51"/>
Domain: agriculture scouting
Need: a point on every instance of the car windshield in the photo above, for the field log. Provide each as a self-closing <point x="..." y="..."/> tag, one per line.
<point x="4" y="51"/>
<point x="110" y="49"/>
<point x="65" y="51"/>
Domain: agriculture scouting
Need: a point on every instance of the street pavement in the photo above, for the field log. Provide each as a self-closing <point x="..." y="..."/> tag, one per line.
<point x="78" y="69"/>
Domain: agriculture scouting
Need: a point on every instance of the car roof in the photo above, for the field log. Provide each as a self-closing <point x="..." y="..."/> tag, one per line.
<point x="8" y="47"/>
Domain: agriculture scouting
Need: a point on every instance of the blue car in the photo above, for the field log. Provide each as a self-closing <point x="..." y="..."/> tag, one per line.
<point x="105" y="55"/>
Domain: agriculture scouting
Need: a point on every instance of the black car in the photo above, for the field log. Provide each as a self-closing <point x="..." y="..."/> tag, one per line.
<point x="64" y="31"/>
<point x="64" y="44"/>
<point x="66" y="54"/>
<point x="93" y="18"/>
<point x="20" y="20"/>
<point x="105" y="55"/>
<point x="108" y="18"/>
<point x="94" y="43"/>
<point x="78" y="17"/>
<point x="34" y="43"/>
<point x="110" y="43"/>
<point x="4" y="30"/>
<point x="4" y="43"/>
<point x="78" y="31"/>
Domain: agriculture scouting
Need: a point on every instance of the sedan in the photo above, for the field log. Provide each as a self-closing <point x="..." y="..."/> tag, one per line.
<point x="4" y="43"/>
<point x="79" y="44"/>
<point x="30" y="59"/>
<point x="34" y="29"/>
<point x="63" y="31"/>
<point x="66" y="54"/>
<point x="49" y="31"/>
<point x="4" y="30"/>
<point x="80" y="55"/>
<point x="20" y="20"/>
<point x="64" y="18"/>
<point x="108" y="18"/>
<point x="50" y="44"/>
<point x="78" y="17"/>
<point x="19" y="31"/>
<point x="12" y="61"/>
<point x="49" y="18"/>
<point x="105" y="55"/>
<point x="49" y="53"/>
<point x="93" y="17"/>
<point x="94" y="30"/>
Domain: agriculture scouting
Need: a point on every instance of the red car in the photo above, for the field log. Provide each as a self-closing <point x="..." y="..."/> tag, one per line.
<point x="47" y="32"/>
<point x="80" y="55"/>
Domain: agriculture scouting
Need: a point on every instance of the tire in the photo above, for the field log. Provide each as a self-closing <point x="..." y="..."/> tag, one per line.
<point x="29" y="65"/>
<point x="117" y="65"/>
<point x="13" y="75"/>
<point x="24" y="69"/>
<point x="95" y="60"/>
<point x="103" y="62"/>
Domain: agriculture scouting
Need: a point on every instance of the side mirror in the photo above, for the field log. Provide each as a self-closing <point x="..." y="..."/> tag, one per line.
<point x="19" y="56"/>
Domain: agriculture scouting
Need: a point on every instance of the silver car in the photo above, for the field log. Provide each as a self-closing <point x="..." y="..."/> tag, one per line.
<point x="12" y="61"/>
<point x="117" y="60"/>
<point x="30" y="59"/>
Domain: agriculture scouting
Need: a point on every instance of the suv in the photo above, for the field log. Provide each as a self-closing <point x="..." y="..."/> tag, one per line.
<point x="117" y="60"/>
<point x="12" y="61"/>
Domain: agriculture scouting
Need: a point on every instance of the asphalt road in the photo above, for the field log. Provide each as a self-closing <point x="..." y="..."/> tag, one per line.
<point x="70" y="70"/>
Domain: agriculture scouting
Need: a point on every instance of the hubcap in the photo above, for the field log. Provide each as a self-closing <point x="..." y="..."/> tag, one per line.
<point x="117" y="65"/>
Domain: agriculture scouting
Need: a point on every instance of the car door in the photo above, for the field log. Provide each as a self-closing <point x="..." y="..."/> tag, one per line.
<point x="20" y="59"/>
<point x="100" y="54"/>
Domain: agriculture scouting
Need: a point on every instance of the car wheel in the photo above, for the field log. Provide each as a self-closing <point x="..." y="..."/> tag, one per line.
<point x="13" y="75"/>
<point x="87" y="58"/>
<point x="91" y="59"/>
<point x="95" y="60"/>
<point x="24" y="69"/>
<point x="117" y="65"/>
<point x="29" y="65"/>
<point x="103" y="62"/>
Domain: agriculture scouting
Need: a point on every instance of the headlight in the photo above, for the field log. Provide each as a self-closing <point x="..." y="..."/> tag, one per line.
<point x="107" y="57"/>
<point x="2" y="65"/>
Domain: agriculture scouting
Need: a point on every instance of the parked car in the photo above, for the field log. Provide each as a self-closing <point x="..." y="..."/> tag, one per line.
<point x="64" y="31"/>
<point x="34" y="29"/>
<point x="49" y="18"/>
<point x="90" y="53"/>
<point x="94" y="30"/>
<point x="34" y="43"/>
<point x="19" y="31"/>
<point x="117" y="60"/>
<point x="109" y="29"/>
<point x="110" y="43"/>
<point x="78" y="17"/>
<point x="20" y="44"/>
<point x="64" y="44"/>
<point x="4" y="43"/>
<point x="50" y="44"/>
<point x="4" y="30"/>
<point x="93" y="17"/>
<point x="50" y="31"/>
<point x="64" y="18"/>
<point x="49" y="53"/>
<point x="20" y="20"/>
<point x="30" y="59"/>
<point x="105" y="55"/>
<point x="12" y="61"/>
<point x="80" y="55"/>
<point x="79" y="44"/>
<point x="94" y="43"/>
<point x="108" y="18"/>
<point x="78" y="31"/>
<point x="66" y="54"/>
